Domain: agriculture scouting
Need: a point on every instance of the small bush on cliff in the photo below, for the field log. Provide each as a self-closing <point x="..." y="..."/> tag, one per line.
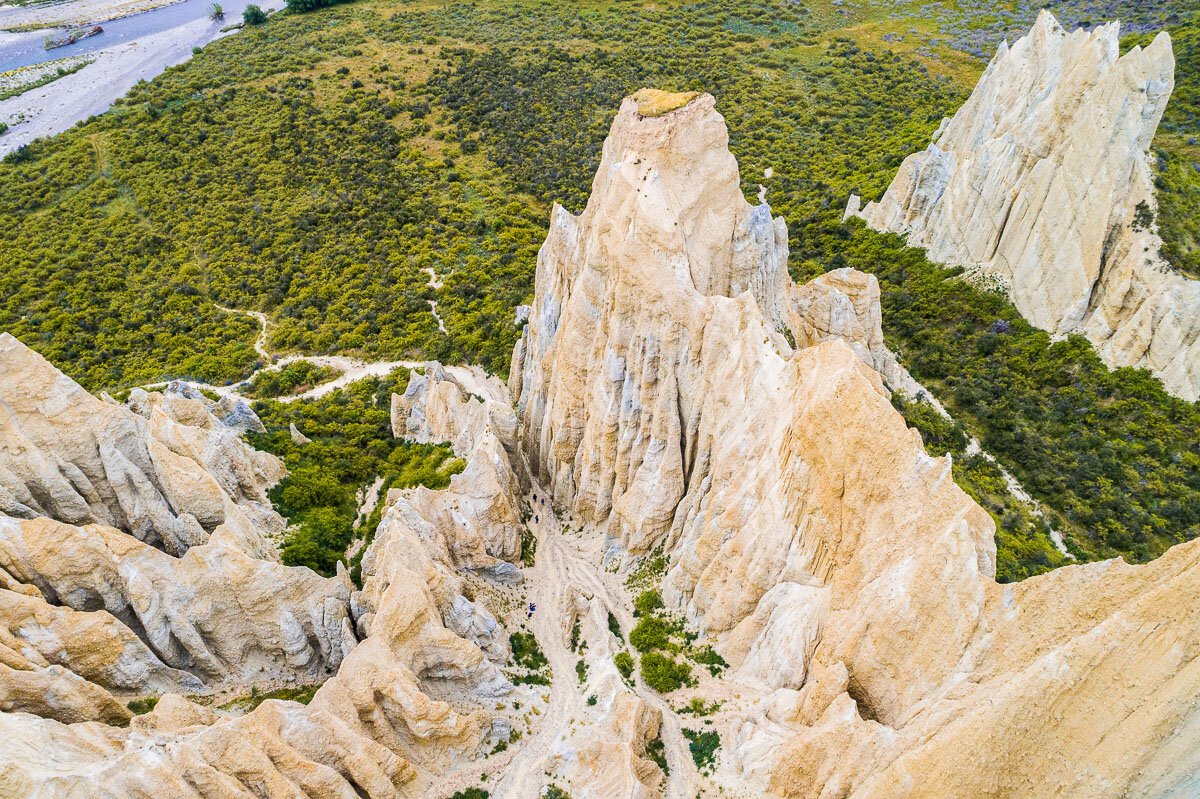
<point x="663" y="673"/>
<point x="647" y="602"/>
<point x="651" y="632"/>
<point x="703" y="746"/>
<point x="624" y="663"/>
<point x="470" y="793"/>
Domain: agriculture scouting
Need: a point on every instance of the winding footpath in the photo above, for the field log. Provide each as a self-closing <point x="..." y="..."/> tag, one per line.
<point x="352" y="369"/>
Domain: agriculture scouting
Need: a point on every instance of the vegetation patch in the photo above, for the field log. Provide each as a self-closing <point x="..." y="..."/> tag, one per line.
<point x="351" y="443"/>
<point x="614" y="627"/>
<point x="647" y="602"/>
<point x="143" y="705"/>
<point x="624" y="663"/>
<point x="528" y="546"/>
<point x="532" y="668"/>
<point x="294" y="378"/>
<point x="470" y="793"/>
<point x="302" y="694"/>
<point x="665" y="674"/>
<point x="704" y="746"/>
<point x="656" y="751"/>
<point x="698" y="707"/>
<point x="707" y="656"/>
<point x="648" y="573"/>
<point x="653" y="632"/>
<point x="658" y="632"/>
<point x="656" y="103"/>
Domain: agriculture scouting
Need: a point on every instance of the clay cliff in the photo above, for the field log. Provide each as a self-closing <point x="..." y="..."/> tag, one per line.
<point x="135" y="551"/>
<point x="479" y="511"/>
<point x="1042" y="182"/>
<point x="93" y="614"/>
<point x="837" y="567"/>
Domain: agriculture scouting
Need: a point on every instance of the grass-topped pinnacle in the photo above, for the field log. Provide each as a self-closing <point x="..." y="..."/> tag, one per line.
<point x="655" y="102"/>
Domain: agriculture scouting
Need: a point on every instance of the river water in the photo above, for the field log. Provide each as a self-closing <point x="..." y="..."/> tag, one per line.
<point x="27" y="50"/>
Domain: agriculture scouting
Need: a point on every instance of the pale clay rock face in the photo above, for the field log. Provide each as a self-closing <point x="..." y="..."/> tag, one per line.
<point x="606" y="754"/>
<point x="808" y="532"/>
<point x="476" y="522"/>
<point x="1036" y="181"/>
<point x="222" y="612"/>
<point x="67" y="455"/>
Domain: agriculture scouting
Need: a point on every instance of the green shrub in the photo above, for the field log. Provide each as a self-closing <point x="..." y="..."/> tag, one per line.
<point x="532" y="678"/>
<point x="649" y="570"/>
<point x="470" y="793"/>
<point x="528" y="547"/>
<point x="647" y="602"/>
<point x="663" y="673"/>
<point x="656" y="750"/>
<point x="294" y="378"/>
<point x="253" y="15"/>
<point x="319" y="541"/>
<point x="526" y="651"/>
<point x="143" y="705"/>
<point x="302" y="6"/>
<point x="708" y="657"/>
<point x="704" y="746"/>
<point x="624" y="663"/>
<point x="614" y="627"/>
<point x="940" y="435"/>
<point x="698" y="707"/>
<point x="651" y="632"/>
<point x="311" y="487"/>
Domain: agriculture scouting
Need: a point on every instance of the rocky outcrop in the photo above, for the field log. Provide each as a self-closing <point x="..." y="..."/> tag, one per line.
<point x="297" y="437"/>
<point x="371" y="730"/>
<point x="835" y="564"/>
<point x="92" y="644"/>
<point x="475" y="524"/>
<point x="60" y="694"/>
<point x="69" y="456"/>
<point x="135" y="553"/>
<point x="605" y="755"/>
<point x="89" y="612"/>
<point x="216" y="612"/>
<point x="1042" y="182"/>
<point x="844" y="304"/>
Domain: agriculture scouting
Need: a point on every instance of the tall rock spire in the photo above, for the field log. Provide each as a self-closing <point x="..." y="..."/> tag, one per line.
<point x="1041" y="180"/>
<point x="835" y="566"/>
